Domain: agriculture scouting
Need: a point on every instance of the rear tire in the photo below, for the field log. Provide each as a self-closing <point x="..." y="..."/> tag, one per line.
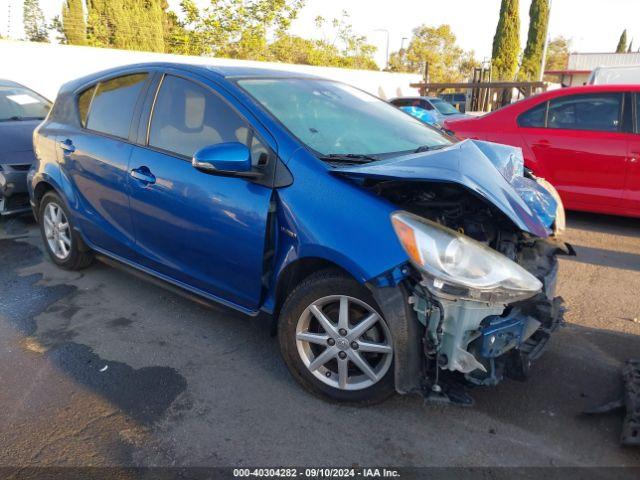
<point x="62" y="242"/>
<point x="345" y="340"/>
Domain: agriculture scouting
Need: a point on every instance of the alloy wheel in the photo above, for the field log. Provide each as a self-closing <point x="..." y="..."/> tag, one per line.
<point x="344" y="342"/>
<point x="57" y="230"/>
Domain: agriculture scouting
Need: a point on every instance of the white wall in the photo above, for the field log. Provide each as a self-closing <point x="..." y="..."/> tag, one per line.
<point x="45" y="67"/>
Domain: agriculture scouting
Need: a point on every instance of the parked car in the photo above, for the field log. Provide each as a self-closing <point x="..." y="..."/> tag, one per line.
<point x="383" y="251"/>
<point x="621" y="75"/>
<point x="584" y="140"/>
<point x="431" y="110"/>
<point x="458" y="100"/>
<point x="21" y="110"/>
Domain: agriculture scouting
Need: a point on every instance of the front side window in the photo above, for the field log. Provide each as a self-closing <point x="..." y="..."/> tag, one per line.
<point x="18" y="103"/>
<point x="598" y="111"/>
<point x="188" y="117"/>
<point x="333" y="118"/>
<point x="113" y="104"/>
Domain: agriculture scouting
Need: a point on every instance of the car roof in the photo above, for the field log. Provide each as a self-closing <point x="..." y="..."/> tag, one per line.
<point x="8" y="83"/>
<point x="416" y="97"/>
<point x="561" y="92"/>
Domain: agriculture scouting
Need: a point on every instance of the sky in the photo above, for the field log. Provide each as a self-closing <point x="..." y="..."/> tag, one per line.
<point x="592" y="25"/>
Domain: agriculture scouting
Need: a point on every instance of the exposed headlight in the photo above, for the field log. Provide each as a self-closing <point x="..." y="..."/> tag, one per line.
<point x="458" y="266"/>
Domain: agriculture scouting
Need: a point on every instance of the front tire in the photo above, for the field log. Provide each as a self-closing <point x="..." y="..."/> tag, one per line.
<point x="334" y="340"/>
<point x="62" y="242"/>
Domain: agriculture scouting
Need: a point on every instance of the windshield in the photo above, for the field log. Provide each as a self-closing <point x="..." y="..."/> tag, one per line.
<point x="336" y="119"/>
<point x="443" y="107"/>
<point x="20" y="103"/>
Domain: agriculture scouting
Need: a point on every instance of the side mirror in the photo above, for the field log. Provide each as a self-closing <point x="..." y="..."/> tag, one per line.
<point x="232" y="158"/>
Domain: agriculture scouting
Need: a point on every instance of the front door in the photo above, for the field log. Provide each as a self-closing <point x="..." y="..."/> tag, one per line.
<point x="583" y="149"/>
<point x="204" y="231"/>
<point x="631" y="198"/>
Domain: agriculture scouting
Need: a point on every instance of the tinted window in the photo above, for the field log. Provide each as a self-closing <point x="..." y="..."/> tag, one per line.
<point x="84" y="102"/>
<point x="113" y="104"/>
<point x="188" y="117"/>
<point x="534" y="118"/>
<point x="19" y="103"/>
<point x="586" y="112"/>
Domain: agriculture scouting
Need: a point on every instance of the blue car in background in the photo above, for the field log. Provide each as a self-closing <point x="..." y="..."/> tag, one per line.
<point x="21" y="110"/>
<point x="431" y="110"/>
<point x="385" y="255"/>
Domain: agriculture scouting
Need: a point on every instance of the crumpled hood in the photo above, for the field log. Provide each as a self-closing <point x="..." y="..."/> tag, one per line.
<point x="492" y="171"/>
<point x="16" y="143"/>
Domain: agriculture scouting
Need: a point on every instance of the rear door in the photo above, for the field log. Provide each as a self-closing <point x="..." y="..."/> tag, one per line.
<point x="204" y="231"/>
<point x="580" y="147"/>
<point x="95" y="157"/>
<point x="631" y="198"/>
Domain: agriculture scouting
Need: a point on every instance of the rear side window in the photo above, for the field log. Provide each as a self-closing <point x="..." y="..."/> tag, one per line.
<point x="598" y="112"/>
<point x="84" y="102"/>
<point x="113" y="104"/>
<point x="188" y="117"/>
<point x="534" y="118"/>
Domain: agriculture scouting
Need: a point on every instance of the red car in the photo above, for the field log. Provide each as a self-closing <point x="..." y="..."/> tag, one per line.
<point x="584" y="140"/>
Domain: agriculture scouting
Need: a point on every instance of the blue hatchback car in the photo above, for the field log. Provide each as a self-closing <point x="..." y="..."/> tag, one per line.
<point x="388" y="257"/>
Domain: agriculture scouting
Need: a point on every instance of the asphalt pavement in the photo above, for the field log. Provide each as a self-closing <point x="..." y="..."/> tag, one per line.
<point x="101" y="368"/>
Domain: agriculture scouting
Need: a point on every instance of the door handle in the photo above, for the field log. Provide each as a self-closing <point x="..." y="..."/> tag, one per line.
<point x="67" y="146"/>
<point x="143" y="175"/>
<point x="634" y="157"/>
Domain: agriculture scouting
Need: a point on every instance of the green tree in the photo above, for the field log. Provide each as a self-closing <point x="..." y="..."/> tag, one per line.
<point x="35" y="27"/>
<point x="557" y="55"/>
<point x="506" y="42"/>
<point x="622" y="43"/>
<point x="239" y="28"/>
<point x="436" y="46"/>
<point x="73" y="23"/>
<point x="630" y="49"/>
<point x="538" y="23"/>
<point x="126" y="24"/>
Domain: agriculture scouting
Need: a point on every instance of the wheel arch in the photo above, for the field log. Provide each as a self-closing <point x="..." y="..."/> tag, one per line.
<point x="293" y="274"/>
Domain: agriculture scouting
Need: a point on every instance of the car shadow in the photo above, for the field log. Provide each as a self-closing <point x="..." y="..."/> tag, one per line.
<point x="601" y="223"/>
<point x="605" y="258"/>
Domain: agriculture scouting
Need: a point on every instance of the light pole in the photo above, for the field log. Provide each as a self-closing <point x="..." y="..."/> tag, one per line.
<point x="547" y="39"/>
<point x="387" y="52"/>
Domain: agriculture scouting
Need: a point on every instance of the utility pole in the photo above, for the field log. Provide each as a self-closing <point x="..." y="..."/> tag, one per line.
<point x="387" y="51"/>
<point x="546" y="42"/>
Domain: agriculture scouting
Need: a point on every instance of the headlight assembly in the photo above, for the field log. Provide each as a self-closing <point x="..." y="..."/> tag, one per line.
<point x="458" y="266"/>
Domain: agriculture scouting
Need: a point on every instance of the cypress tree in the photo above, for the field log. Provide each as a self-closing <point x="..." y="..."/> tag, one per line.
<point x="35" y="28"/>
<point x="73" y="24"/>
<point x="126" y="24"/>
<point x="622" y="43"/>
<point x="538" y="23"/>
<point x="506" y="42"/>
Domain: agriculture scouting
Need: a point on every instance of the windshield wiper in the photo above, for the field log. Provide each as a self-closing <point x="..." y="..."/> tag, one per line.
<point x="428" y="148"/>
<point x="17" y="118"/>
<point x="349" y="158"/>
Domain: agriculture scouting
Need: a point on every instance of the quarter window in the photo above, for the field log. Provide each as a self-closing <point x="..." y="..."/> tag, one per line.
<point x="188" y="117"/>
<point x="113" y="104"/>
<point x="84" y="102"/>
<point x="599" y="112"/>
<point x="534" y="118"/>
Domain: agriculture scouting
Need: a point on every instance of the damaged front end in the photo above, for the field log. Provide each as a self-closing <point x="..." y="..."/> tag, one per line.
<point x="482" y="239"/>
